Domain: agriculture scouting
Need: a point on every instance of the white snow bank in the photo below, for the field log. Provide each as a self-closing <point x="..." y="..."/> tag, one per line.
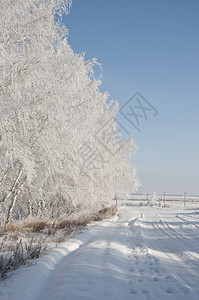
<point x="26" y="282"/>
<point x="145" y="253"/>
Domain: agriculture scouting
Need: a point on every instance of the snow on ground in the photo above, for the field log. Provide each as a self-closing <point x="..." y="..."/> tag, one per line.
<point x="143" y="253"/>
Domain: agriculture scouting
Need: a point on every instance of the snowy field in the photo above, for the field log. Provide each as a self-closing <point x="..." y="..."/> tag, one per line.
<point x="142" y="253"/>
<point x="163" y="200"/>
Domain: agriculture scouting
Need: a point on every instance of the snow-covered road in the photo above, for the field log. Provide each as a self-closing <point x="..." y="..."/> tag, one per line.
<point x="143" y="253"/>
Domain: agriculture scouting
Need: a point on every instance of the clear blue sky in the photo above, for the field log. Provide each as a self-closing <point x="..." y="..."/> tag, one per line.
<point x="151" y="47"/>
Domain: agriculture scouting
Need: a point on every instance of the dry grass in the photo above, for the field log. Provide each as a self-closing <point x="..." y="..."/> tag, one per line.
<point x="105" y="213"/>
<point x="50" y="227"/>
<point x="10" y="228"/>
<point x="40" y="233"/>
<point x="20" y="255"/>
<point x="38" y="225"/>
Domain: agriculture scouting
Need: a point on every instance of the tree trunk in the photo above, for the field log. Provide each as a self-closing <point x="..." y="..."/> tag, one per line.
<point x="5" y="174"/>
<point x="12" y="204"/>
<point x="11" y="207"/>
<point x="14" y="186"/>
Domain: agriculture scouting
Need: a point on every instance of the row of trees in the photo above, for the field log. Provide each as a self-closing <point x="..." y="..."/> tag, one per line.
<point x="60" y="149"/>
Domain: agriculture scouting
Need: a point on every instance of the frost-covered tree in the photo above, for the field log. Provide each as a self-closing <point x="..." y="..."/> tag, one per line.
<point x="54" y="153"/>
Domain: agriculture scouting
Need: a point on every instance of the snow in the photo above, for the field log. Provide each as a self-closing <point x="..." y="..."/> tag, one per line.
<point x="143" y="253"/>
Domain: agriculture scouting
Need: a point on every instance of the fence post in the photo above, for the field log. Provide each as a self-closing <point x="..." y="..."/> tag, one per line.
<point x="164" y="200"/>
<point x="147" y="199"/>
<point x="185" y="199"/>
<point x="115" y="200"/>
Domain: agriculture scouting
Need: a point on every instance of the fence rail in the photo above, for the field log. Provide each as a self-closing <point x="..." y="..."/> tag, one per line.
<point x="160" y="200"/>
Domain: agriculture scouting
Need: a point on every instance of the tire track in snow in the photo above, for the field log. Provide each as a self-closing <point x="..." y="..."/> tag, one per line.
<point x="117" y="259"/>
<point x="167" y="250"/>
<point x="188" y="221"/>
<point x="144" y="268"/>
<point x="178" y="237"/>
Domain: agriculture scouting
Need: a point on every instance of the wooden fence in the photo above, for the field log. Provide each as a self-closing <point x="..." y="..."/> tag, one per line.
<point x="159" y="200"/>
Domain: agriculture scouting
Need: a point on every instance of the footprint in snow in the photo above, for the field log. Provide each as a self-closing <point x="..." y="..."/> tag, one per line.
<point x="131" y="269"/>
<point x="169" y="277"/>
<point x="170" y="290"/>
<point x="156" y="279"/>
<point x="186" y="290"/>
<point x="144" y="291"/>
<point x="141" y="270"/>
<point x="133" y="291"/>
